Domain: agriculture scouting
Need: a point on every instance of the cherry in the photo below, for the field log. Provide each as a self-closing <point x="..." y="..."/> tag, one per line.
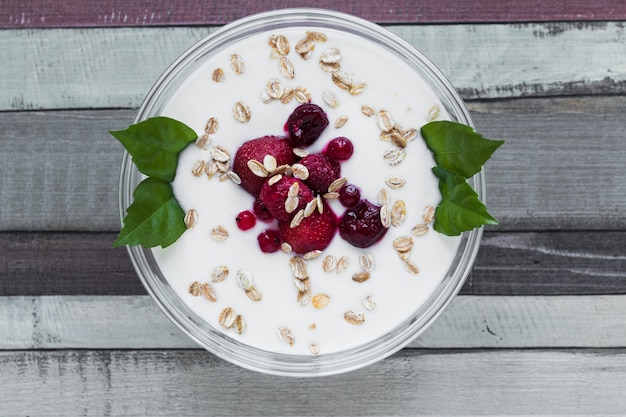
<point x="361" y="226"/>
<point x="339" y="149"/>
<point x="349" y="195"/>
<point x="245" y="220"/>
<point x="269" y="241"/>
<point x="306" y="123"/>
<point x="262" y="213"/>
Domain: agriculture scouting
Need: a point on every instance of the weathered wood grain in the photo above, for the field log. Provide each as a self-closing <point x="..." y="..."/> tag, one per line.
<point x="58" y="13"/>
<point x="161" y="383"/>
<point x="527" y="263"/>
<point x="87" y="68"/>
<point x="135" y="322"/>
<point x="561" y="166"/>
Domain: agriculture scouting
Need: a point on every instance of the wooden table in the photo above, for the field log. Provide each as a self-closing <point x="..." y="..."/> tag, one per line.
<point x="539" y="327"/>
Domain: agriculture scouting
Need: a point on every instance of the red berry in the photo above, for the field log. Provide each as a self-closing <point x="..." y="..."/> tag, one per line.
<point x="279" y="147"/>
<point x="361" y="226"/>
<point x="275" y="196"/>
<point x="322" y="172"/>
<point x="306" y="124"/>
<point x="349" y="195"/>
<point x="245" y="220"/>
<point x="339" y="149"/>
<point x="313" y="233"/>
<point x="269" y="241"/>
<point x="262" y="213"/>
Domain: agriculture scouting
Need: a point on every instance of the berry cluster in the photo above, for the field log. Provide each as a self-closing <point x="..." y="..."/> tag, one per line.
<point x="279" y="197"/>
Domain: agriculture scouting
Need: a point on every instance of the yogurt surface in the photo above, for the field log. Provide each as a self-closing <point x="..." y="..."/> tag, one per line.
<point x="392" y="86"/>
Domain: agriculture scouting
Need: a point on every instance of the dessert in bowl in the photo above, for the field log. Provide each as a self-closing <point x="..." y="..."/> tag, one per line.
<point x="308" y="194"/>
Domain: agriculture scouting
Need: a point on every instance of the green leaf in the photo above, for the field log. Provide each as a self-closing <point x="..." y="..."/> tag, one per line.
<point x="457" y="147"/>
<point x="154" y="218"/>
<point x="154" y="145"/>
<point x="460" y="209"/>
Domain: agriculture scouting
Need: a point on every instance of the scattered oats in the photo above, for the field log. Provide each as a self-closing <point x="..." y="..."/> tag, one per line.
<point x="432" y="113"/>
<point x="222" y="166"/>
<point x="191" y="219"/>
<point x="286" y="68"/>
<point x="274" y="179"/>
<point x="314" y="349"/>
<point x="204" y="141"/>
<point x="294" y="189"/>
<point x="320" y="204"/>
<point x="282" y="169"/>
<point x="403" y="244"/>
<point x="329" y="263"/>
<point x="304" y="298"/>
<point x="411" y="267"/>
<point x="227" y="317"/>
<point x="330" y="99"/>
<point x="310" y="207"/>
<point x="211" y="126"/>
<point x="282" y="45"/>
<point x="223" y="177"/>
<point x="366" y="260"/>
<point x="395" y="181"/>
<point x="330" y="56"/>
<point x="272" y="40"/>
<point x="298" y="267"/>
<point x="257" y="168"/>
<point x="369" y="303"/>
<point x="236" y="63"/>
<point x="220" y="154"/>
<point x="291" y="204"/>
<point x="287" y="96"/>
<point x="383" y="197"/>
<point x="312" y="326"/>
<point x="394" y="156"/>
<point x="274" y="54"/>
<point x="409" y="135"/>
<point x="384" y="121"/>
<point x="305" y="46"/>
<point x="306" y="55"/>
<point x="302" y="285"/>
<point x="233" y="177"/>
<point x="240" y="324"/>
<point x="286" y="335"/>
<point x="312" y="254"/>
<point x="397" y="139"/>
<point x="274" y="88"/>
<point x="219" y="273"/>
<point x="385" y="216"/>
<point x="342" y="80"/>
<point x="354" y="316"/>
<point x="219" y="234"/>
<point x="361" y="276"/>
<point x="356" y="89"/>
<point x="211" y="168"/>
<point x="419" y="230"/>
<point x="300" y="152"/>
<point x="218" y="75"/>
<point x="254" y="294"/>
<point x="404" y="255"/>
<point x="208" y="292"/>
<point x="316" y="36"/>
<point x="286" y="247"/>
<point x="367" y="110"/>
<point x="269" y="162"/>
<point x="341" y="121"/>
<point x="198" y="168"/>
<point x="265" y="97"/>
<point x="302" y="95"/>
<point x="300" y="171"/>
<point x="329" y="67"/>
<point x="297" y="219"/>
<point x="241" y="111"/>
<point x="342" y="264"/>
<point x="429" y="214"/>
<point x="336" y="185"/>
<point x="320" y="301"/>
<point x="331" y="196"/>
<point x="398" y="213"/>
<point x="244" y="279"/>
<point x="195" y="288"/>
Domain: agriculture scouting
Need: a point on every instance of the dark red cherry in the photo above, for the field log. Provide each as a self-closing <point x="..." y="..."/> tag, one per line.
<point x="361" y="226"/>
<point x="269" y="241"/>
<point x="339" y="149"/>
<point x="306" y="124"/>
<point x="349" y="195"/>
<point x="245" y="220"/>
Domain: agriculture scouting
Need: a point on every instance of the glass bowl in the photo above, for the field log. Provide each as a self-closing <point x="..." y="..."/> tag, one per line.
<point x="223" y="345"/>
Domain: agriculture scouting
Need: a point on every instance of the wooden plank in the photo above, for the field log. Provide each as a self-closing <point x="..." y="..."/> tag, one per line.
<point x="178" y="383"/>
<point x="546" y="176"/>
<point x="556" y="263"/>
<point x="87" y="68"/>
<point x="135" y="322"/>
<point x="58" y="13"/>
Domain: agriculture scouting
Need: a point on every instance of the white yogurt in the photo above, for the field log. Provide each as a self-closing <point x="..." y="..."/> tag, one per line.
<point x="392" y="86"/>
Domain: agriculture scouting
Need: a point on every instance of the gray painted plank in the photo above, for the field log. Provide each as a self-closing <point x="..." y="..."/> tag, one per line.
<point x="556" y="263"/>
<point x="546" y="176"/>
<point x="412" y="382"/>
<point x="135" y="322"/>
<point x="87" y="68"/>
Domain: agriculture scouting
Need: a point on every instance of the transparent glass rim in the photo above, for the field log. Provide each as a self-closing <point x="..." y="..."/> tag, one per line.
<point x="226" y="347"/>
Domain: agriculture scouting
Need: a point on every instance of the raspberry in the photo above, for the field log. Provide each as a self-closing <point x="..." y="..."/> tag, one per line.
<point x="306" y="124"/>
<point x="274" y="196"/>
<point x="339" y="149"/>
<point x="261" y="212"/>
<point x="269" y="241"/>
<point x="361" y="226"/>
<point x="322" y="172"/>
<point x="349" y="195"/>
<point x="279" y="147"/>
<point x="313" y="233"/>
<point x="245" y="220"/>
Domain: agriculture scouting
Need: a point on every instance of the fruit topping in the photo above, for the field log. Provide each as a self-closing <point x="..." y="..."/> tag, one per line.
<point x="306" y="123"/>
<point x="261" y="212"/>
<point x="269" y="241"/>
<point x="339" y="149"/>
<point x="245" y="220"/>
<point x="361" y="226"/>
<point x="322" y="172"/>
<point x="256" y="149"/>
<point x="349" y="195"/>
<point x="286" y="197"/>
<point x="314" y="232"/>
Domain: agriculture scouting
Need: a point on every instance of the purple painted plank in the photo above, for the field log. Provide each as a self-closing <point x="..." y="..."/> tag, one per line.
<point x="101" y="13"/>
